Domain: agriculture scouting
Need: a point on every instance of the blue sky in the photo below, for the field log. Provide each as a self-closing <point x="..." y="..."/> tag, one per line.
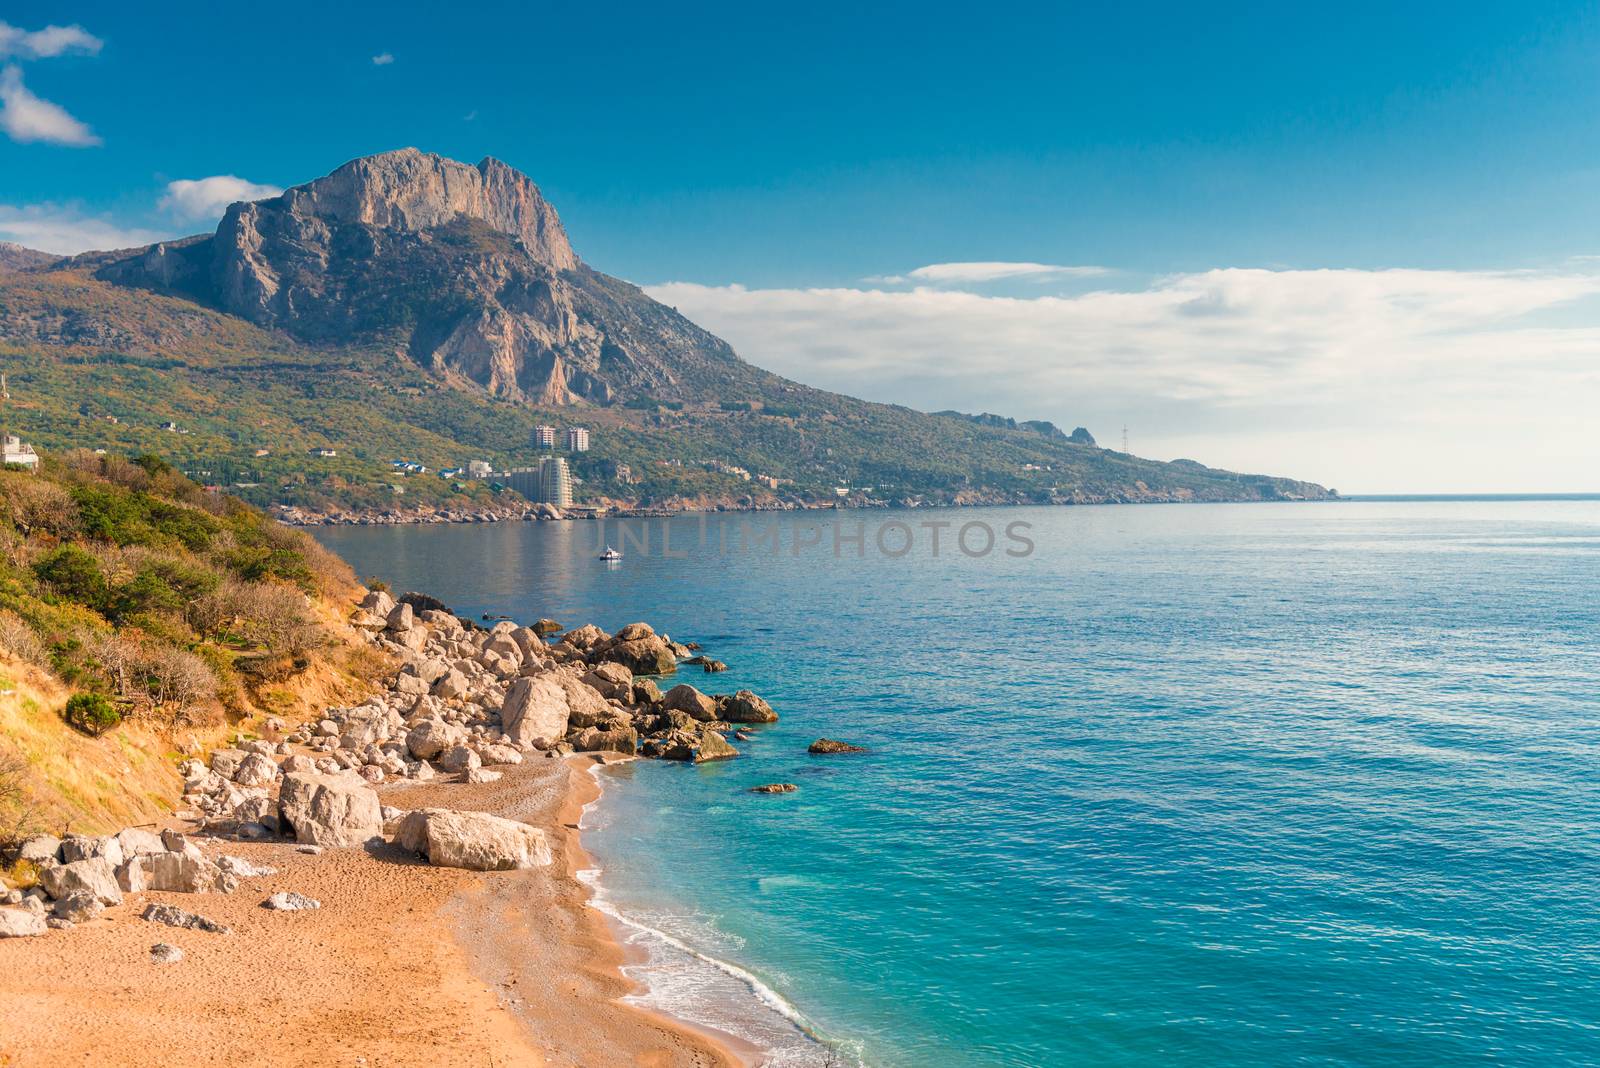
<point x="734" y="154"/>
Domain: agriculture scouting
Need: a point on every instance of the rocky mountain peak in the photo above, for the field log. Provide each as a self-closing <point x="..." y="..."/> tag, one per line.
<point x="464" y="269"/>
<point x="412" y="190"/>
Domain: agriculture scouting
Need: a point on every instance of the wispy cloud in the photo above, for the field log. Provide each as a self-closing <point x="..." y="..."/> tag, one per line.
<point x="205" y="199"/>
<point x="24" y="117"/>
<point x="1320" y="373"/>
<point x="980" y="272"/>
<point x="66" y="229"/>
<point x="382" y="59"/>
<point x="47" y="43"/>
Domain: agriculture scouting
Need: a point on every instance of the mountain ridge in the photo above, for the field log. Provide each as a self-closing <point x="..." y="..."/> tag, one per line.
<point x="410" y="305"/>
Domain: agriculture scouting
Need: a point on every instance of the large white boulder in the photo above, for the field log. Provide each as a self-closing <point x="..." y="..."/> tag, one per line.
<point x="432" y="736"/>
<point x="137" y="842"/>
<point x="534" y="711"/>
<point x="329" y="810"/>
<point x="255" y="770"/>
<point x="473" y="840"/>
<point x="21" y="923"/>
<point x="179" y="873"/>
<point x="94" y="874"/>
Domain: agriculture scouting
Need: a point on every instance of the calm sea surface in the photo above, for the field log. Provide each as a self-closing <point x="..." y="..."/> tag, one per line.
<point x="1251" y="785"/>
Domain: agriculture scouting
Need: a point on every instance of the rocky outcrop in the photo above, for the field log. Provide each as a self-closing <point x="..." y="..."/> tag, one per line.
<point x="467" y="266"/>
<point x="473" y="840"/>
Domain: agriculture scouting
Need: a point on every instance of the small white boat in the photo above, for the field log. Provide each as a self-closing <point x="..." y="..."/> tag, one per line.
<point x="610" y="554"/>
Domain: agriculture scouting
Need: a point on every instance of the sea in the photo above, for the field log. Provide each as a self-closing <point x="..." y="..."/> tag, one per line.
<point x="1233" y="784"/>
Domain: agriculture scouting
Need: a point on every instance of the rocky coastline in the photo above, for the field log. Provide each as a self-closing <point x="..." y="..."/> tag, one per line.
<point x="427" y="514"/>
<point x="489" y="715"/>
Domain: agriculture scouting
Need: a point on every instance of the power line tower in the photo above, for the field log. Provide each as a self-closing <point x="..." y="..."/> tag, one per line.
<point x="1125" y="438"/>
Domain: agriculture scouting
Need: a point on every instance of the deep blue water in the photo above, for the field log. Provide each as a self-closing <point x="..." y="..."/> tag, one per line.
<point x="1209" y="785"/>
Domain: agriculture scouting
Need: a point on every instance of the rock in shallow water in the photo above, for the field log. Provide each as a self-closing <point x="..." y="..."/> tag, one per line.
<point x="775" y="788"/>
<point x="825" y="746"/>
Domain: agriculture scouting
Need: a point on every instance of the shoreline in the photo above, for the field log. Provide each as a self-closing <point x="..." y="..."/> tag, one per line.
<point x="750" y="1002"/>
<point x="392" y="518"/>
<point x="585" y="790"/>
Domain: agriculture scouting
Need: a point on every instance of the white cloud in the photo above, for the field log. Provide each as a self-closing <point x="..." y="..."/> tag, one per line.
<point x="66" y="230"/>
<point x="1391" y="379"/>
<point x="382" y="59"/>
<point x="205" y="199"/>
<point x="979" y="272"/>
<point x="24" y="117"/>
<point x="46" y="43"/>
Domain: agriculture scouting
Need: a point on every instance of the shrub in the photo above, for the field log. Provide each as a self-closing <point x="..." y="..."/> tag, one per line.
<point x="273" y="615"/>
<point x="16" y="813"/>
<point x="92" y="713"/>
<point x="75" y="574"/>
<point x="21" y="641"/>
<point x="37" y="506"/>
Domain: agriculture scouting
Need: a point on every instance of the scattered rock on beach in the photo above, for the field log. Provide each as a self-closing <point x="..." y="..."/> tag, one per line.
<point x="775" y="788"/>
<point x="289" y="901"/>
<point x="39" y="849"/>
<point x="21" y="923"/>
<point x="78" y="906"/>
<point x="243" y="868"/>
<point x="473" y="840"/>
<point x="173" y="916"/>
<point x="329" y="810"/>
<point x="95" y="874"/>
<point x="826" y="746"/>
<point x="165" y="953"/>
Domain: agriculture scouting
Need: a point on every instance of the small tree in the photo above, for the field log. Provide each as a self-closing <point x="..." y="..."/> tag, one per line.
<point x="75" y="574"/>
<point x="92" y="713"/>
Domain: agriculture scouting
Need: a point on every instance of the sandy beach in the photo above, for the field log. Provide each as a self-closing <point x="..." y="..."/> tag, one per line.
<point x="403" y="964"/>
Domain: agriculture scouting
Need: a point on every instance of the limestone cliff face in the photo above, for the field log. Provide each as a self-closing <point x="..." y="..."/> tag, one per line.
<point x="467" y="267"/>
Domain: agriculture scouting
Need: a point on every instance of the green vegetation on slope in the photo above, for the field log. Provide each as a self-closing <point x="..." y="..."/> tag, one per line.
<point x="151" y="596"/>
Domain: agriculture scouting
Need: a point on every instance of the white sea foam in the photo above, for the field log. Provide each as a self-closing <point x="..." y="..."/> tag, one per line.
<point x="682" y="980"/>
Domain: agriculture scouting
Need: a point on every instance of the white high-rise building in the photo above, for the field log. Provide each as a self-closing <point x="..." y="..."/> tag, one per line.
<point x="577" y="439"/>
<point x="544" y="437"/>
<point x="555" y="482"/>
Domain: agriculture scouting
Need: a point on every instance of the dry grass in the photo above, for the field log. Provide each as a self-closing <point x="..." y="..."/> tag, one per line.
<point x="71" y="780"/>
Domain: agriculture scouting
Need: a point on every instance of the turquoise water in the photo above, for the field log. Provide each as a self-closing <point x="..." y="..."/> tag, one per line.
<point x="1215" y="785"/>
